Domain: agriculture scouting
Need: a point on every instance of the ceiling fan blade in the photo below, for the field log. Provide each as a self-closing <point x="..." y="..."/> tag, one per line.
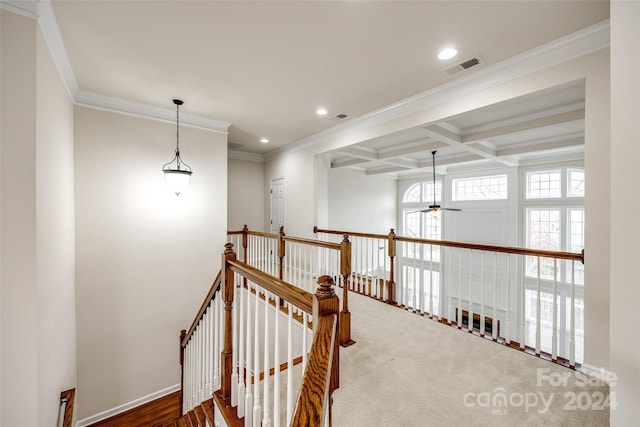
<point x="422" y="211"/>
<point x="453" y="209"/>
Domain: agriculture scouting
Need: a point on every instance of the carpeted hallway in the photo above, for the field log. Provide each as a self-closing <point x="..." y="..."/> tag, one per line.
<point x="405" y="370"/>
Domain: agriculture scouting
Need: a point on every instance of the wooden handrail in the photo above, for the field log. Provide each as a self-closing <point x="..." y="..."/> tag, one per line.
<point x="312" y="242"/>
<point x="254" y="233"/>
<point x="296" y="296"/>
<point x="205" y="303"/>
<point x="315" y="389"/>
<point x="493" y="248"/>
<point x="350" y="233"/>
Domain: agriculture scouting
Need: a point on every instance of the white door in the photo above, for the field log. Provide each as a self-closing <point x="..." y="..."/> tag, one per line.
<point x="277" y="204"/>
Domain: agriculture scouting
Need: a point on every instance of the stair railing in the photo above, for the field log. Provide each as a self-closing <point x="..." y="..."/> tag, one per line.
<point x="252" y="331"/>
<point x="300" y="261"/>
<point x="525" y="298"/>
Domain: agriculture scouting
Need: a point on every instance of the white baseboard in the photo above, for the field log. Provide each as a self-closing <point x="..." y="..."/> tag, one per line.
<point x="126" y="406"/>
<point x="599" y="373"/>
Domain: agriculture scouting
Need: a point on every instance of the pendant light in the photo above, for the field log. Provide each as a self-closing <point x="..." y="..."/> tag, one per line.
<point x="177" y="173"/>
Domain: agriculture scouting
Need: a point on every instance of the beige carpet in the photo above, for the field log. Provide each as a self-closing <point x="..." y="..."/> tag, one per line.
<point x="406" y="370"/>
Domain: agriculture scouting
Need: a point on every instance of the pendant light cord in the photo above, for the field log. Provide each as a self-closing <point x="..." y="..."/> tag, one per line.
<point x="178" y="134"/>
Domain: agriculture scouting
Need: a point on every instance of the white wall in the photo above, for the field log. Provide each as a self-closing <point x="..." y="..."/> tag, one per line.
<point x="297" y="169"/>
<point x="246" y="195"/>
<point x="18" y="216"/>
<point x="37" y="288"/>
<point x="55" y="237"/>
<point x="625" y="205"/>
<point x="145" y="257"/>
<point x="360" y="202"/>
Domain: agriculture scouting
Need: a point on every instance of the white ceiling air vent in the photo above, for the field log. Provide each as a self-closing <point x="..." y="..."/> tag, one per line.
<point x="464" y="65"/>
<point x="339" y="117"/>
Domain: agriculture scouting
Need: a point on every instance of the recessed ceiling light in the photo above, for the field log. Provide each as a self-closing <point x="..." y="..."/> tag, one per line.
<point x="321" y="111"/>
<point x="264" y="140"/>
<point x="447" y="53"/>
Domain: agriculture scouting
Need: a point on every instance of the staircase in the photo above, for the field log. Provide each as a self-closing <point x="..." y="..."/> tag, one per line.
<point x="197" y="417"/>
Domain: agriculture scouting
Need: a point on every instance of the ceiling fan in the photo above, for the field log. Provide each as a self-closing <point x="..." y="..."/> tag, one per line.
<point x="435" y="208"/>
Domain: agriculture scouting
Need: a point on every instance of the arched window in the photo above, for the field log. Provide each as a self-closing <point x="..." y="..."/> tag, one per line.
<point x="418" y="197"/>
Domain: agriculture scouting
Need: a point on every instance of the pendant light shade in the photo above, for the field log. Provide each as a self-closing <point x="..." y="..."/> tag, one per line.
<point x="177" y="173"/>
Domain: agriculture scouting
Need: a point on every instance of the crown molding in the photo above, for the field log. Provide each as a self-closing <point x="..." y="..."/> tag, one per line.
<point x="28" y="8"/>
<point x="53" y="39"/>
<point x="119" y="105"/>
<point x="580" y="43"/>
<point x="243" y="155"/>
<point x="51" y="33"/>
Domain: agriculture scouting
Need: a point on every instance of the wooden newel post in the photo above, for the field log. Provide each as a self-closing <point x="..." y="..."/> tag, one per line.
<point x="345" y="271"/>
<point x="227" y="295"/>
<point x="325" y="301"/>
<point x="183" y="333"/>
<point x="392" y="254"/>
<point x="245" y="242"/>
<point x="281" y="253"/>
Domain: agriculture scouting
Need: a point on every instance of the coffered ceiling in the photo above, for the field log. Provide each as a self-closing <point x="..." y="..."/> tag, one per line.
<point x="538" y="128"/>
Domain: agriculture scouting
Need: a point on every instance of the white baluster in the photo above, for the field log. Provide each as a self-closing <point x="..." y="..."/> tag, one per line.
<point x="430" y="281"/>
<point x="276" y="366"/>
<point x="289" y="366"/>
<point x="418" y="286"/>
<point x="305" y="321"/>
<point x="241" y="350"/>
<point x="523" y="297"/>
<point x="234" y="346"/>
<point x="266" y="401"/>
<point x="248" y="398"/>
<point x="508" y="316"/>
<point x="212" y="337"/>
<point x="199" y="377"/>
<point x="482" y="319"/>
<point x="538" y="307"/>
<point x="572" y="322"/>
<point x="216" y="341"/>
<point x="257" y="409"/>
<point x="205" y="354"/>
<point x="470" y="312"/>
<point x="459" y="288"/>
<point x="554" y="335"/>
<point x="185" y="386"/>
<point x="494" y="323"/>
<point x="449" y="287"/>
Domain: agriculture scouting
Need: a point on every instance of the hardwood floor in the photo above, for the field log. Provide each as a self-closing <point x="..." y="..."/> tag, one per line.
<point x="160" y="411"/>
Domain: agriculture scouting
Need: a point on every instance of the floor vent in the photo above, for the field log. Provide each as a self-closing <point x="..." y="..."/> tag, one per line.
<point x="463" y="66"/>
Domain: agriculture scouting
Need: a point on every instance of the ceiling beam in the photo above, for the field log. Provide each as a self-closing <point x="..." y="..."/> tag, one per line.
<point x="553" y="145"/>
<point x="359" y="153"/>
<point x="464" y="158"/>
<point x="455" y="140"/>
<point x="407" y="151"/>
<point x="343" y="163"/>
<point x="390" y="169"/>
<point x="542" y="122"/>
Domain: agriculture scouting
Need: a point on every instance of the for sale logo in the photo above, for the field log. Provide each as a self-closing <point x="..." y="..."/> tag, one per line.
<point x="586" y="393"/>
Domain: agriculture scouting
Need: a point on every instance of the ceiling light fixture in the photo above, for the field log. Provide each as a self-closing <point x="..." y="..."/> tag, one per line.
<point x="177" y="178"/>
<point x="264" y="140"/>
<point x="447" y="53"/>
<point x="321" y="111"/>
